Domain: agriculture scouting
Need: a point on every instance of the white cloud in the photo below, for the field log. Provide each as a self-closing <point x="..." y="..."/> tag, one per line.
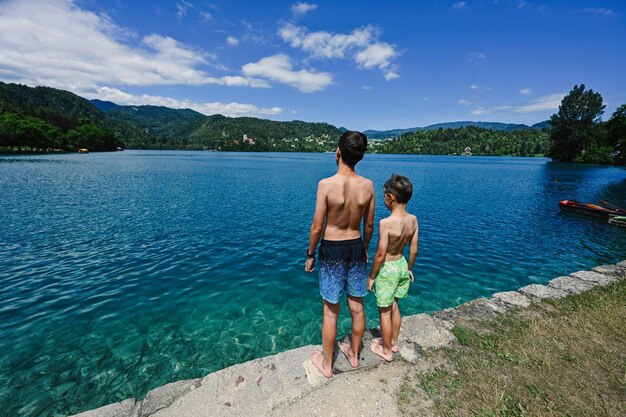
<point x="362" y="45"/>
<point x="477" y="56"/>
<point x="232" y="41"/>
<point x="598" y="10"/>
<point x="182" y="8"/>
<point x="551" y="102"/>
<point x="279" y="68"/>
<point x="300" y="9"/>
<point x="464" y="102"/>
<point x="226" y="109"/>
<point x="459" y="5"/>
<point x="55" y="43"/>
<point x="377" y="55"/>
<point x="545" y="103"/>
<point x="391" y="76"/>
<point x="474" y="87"/>
<point x="206" y="16"/>
<point x="525" y="91"/>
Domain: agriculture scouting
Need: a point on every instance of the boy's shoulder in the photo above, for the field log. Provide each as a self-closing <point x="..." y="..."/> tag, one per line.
<point x="336" y="179"/>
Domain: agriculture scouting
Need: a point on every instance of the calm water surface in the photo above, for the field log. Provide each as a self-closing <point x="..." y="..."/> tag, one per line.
<point x="120" y="272"/>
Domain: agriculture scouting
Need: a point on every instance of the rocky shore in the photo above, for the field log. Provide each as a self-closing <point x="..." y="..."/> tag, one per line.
<point x="288" y="384"/>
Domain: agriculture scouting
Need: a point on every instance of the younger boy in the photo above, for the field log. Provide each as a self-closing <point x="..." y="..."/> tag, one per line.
<point x="390" y="275"/>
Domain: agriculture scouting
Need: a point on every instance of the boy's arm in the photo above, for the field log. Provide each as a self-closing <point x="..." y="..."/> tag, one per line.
<point x="317" y="227"/>
<point x="413" y="250"/>
<point x="368" y="220"/>
<point x="381" y="253"/>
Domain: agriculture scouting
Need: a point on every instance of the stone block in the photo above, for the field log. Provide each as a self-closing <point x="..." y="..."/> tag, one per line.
<point x="512" y="298"/>
<point x="480" y="309"/>
<point x="541" y="291"/>
<point x="571" y="285"/>
<point x="425" y="331"/>
<point x="595" y="277"/>
<point x="449" y="315"/>
<point x="611" y="270"/>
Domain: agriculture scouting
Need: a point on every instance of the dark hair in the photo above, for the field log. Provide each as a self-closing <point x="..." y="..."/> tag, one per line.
<point x="352" y="146"/>
<point x="401" y="188"/>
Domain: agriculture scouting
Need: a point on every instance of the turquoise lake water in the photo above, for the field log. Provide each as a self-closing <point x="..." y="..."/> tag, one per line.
<point x="121" y="272"/>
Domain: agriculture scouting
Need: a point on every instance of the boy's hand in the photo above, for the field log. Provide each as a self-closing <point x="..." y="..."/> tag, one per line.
<point x="309" y="265"/>
<point x="411" y="276"/>
<point x="370" y="283"/>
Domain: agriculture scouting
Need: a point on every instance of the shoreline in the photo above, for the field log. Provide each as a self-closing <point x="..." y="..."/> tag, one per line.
<point x="259" y="386"/>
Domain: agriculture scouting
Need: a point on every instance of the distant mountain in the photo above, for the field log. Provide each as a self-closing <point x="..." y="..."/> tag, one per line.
<point x="507" y="127"/>
<point x="104" y="105"/>
<point x="157" y="127"/>
<point x="541" y="125"/>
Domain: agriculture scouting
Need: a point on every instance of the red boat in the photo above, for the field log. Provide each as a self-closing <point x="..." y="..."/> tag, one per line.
<point x="590" y="209"/>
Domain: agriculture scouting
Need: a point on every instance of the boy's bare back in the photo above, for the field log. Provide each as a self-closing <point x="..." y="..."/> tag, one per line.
<point x="348" y="199"/>
<point x="400" y="229"/>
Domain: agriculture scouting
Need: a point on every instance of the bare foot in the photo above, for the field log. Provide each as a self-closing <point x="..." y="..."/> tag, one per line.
<point x="380" y="351"/>
<point x="345" y="349"/>
<point x="379" y="341"/>
<point x="317" y="358"/>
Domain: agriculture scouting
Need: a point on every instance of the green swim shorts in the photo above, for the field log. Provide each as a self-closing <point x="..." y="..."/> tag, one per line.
<point x="391" y="282"/>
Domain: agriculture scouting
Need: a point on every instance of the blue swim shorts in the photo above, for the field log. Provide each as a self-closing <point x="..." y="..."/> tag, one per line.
<point x="343" y="267"/>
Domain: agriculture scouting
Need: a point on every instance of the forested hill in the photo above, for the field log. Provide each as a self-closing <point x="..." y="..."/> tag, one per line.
<point x="480" y="141"/>
<point x="387" y="134"/>
<point x="44" y="118"/>
<point x="153" y="127"/>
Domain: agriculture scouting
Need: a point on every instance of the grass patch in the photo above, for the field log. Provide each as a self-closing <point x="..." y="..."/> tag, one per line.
<point x="566" y="358"/>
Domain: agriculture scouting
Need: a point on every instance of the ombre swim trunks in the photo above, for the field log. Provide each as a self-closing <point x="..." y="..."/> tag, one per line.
<point x="391" y="282"/>
<point x="343" y="267"/>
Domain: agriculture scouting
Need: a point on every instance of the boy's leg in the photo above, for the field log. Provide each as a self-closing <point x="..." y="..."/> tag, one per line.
<point x="384" y="350"/>
<point x="324" y="360"/>
<point x="357" y="312"/>
<point x="396" y="321"/>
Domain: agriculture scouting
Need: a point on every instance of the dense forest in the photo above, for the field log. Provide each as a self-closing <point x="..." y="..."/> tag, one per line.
<point x="47" y="119"/>
<point x="152" y="127"/>
<point x="44" y="119"/>
<point x="481" y="141"/>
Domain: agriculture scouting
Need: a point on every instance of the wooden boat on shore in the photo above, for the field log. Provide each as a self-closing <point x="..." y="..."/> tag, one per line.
<point x="590" y="209"/>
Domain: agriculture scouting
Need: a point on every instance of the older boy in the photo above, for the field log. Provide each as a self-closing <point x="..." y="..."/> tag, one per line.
<point x="390" y="273"/>
<point x="343" y="201"/>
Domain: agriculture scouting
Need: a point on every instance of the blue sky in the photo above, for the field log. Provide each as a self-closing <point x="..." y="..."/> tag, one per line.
<point x="358" y="64"/>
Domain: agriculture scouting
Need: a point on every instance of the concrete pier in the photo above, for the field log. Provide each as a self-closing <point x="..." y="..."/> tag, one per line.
<point x="271" y="385"/>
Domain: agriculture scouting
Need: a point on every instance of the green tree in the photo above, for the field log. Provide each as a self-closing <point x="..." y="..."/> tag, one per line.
<point x="616" y="129"/>
<point x="574" y="126"/>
